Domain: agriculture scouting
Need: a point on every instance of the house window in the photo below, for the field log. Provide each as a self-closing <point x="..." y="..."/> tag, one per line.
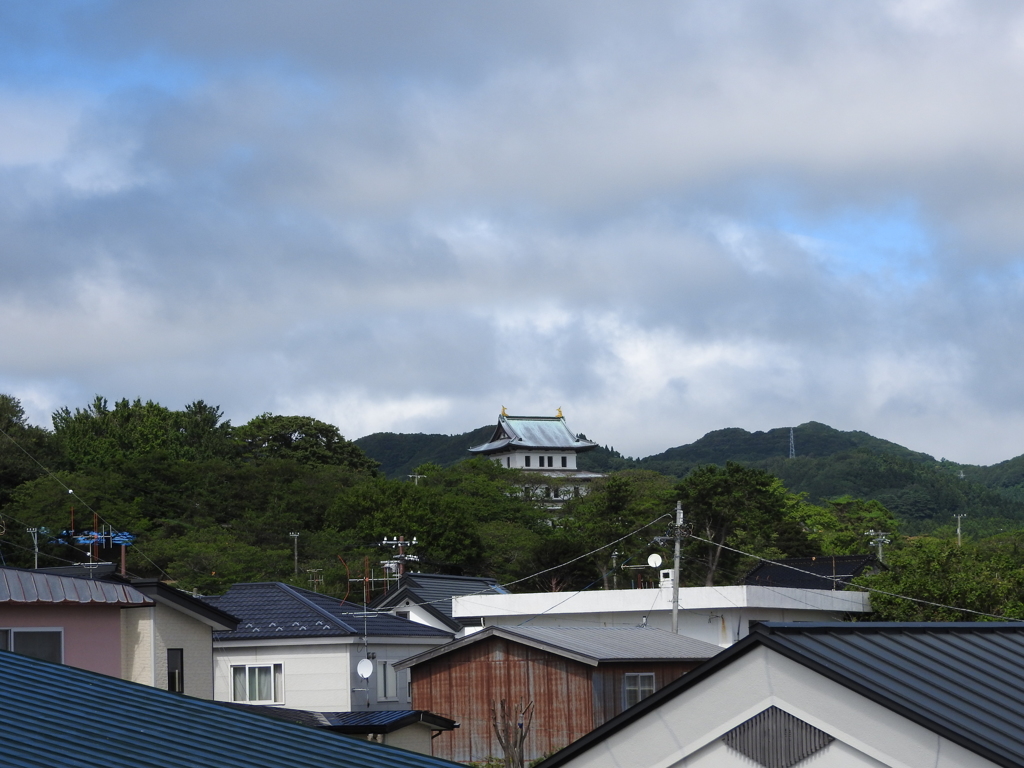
<point x="527" y="461"/>
<point x="565" y="462"/>
<point x="176" y="670"/>
<point x="387" y="681"/>
<point x="45" y="644"/>
<point x="637" y="687"/>
<point x="257" y="683"/>
<point x="402" y="614"/>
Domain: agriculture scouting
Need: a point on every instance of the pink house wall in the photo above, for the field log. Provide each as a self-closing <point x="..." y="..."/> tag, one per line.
<point x="92" y="633"/>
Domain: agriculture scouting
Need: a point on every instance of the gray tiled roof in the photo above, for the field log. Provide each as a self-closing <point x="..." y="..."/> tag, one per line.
<point x="21" y="587"/>
<point x="434" y="592"/>
<point x="273" y="609"/>
<point x="590" y="645"/>
<point x="119" y="724"/>
<point x="533" y="432"/>
<point x="963" y="681"/>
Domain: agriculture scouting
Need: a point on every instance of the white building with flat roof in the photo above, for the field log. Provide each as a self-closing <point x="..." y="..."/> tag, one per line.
<point x="718" y="615"/>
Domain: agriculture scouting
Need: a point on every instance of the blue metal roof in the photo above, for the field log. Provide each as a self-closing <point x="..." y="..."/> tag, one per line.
<point x="61" y="716"/>
<point x="533" y="432"/>
<point x="963" y="681"/>
<point x="273" y="609"/>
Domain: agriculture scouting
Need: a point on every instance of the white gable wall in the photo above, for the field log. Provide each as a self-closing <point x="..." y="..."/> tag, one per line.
<point x="686" y="731"/>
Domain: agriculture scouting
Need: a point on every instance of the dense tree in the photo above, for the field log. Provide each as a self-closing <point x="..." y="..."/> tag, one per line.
<point x="989" y="579"/>
<point x="740" y="508"/>
<point x="24" y="449"/>
<point x="303" y="439"/>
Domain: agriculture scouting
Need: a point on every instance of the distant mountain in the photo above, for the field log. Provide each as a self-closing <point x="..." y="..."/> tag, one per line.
<point x="923" y="492"/>
<point x="400" y="454"/>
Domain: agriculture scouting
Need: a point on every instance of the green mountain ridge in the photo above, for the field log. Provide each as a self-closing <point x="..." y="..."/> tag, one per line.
<point x="923" y="492"/>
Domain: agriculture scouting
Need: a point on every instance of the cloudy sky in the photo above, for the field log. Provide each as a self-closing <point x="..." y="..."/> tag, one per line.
<point x="663" y="217"/>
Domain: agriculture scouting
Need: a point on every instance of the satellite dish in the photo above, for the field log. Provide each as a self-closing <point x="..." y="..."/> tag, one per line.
<point x="364" y="668"/>
<point x="654" y="560"/>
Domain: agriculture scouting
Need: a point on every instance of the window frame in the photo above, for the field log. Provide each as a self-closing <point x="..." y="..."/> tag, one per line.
<point x="9" y="642"/>
<point x="276" y="683"/>
<point x="386" y="673"/>
<point x="637" y="688"/>
<point x="176" y="670"/>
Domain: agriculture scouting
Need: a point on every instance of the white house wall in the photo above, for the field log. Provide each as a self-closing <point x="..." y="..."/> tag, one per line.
<point x="137" y="641"/>
<point x="686" y="731"/>
<point x="319" y="673"/>
<point x="173" y="629"/>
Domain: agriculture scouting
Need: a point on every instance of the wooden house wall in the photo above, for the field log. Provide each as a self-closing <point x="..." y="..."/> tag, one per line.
<point x="609" y="684"/>
<point x="463" y="684"/>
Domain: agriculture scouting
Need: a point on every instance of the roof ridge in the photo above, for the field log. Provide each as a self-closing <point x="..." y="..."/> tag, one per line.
<point x="294" y="591"/>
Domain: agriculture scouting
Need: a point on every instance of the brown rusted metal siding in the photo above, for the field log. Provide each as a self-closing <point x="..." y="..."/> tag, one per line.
<point x="609" y="681"/>
<point x="463" y="684"/>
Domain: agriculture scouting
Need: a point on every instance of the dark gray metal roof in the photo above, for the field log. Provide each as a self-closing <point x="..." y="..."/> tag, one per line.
<point x="533" y="432"/>
<point x="21" y="587"/>
<point x="272" y="609"/>
<point x="963" y="681"/>
<point x="434" y="593"/>
<point x="118" y="724"/>
<point x="590" y="645"/>
<point x="824" y="572"/>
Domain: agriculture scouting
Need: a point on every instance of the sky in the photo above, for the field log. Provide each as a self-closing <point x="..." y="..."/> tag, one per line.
<point x="663" y="218"/>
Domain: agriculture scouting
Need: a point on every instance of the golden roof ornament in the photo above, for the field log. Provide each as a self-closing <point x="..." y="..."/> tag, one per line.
<point x="560" y="413"/>
<point x="503" y="411"/>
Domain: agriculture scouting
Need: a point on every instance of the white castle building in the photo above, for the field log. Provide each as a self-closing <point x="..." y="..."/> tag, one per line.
<point x="543" y="445"/>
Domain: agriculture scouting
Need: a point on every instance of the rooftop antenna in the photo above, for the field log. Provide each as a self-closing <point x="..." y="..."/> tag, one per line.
<point x="792" y="445"/>
<point x="315" y="579"/>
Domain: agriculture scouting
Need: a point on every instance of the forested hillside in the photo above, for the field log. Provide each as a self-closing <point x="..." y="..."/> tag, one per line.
<point x="210" y="504"/>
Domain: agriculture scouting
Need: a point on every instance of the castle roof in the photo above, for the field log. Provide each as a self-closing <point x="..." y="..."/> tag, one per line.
<point x="546" y="433"/>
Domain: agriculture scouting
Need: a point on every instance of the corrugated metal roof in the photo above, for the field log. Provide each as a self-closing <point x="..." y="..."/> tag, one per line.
<point x="23" y="587"/>
<point x="383" y="721"/>
<point x="434" y="592"/>
<point x="273" y="609"/>
<point x="590" y="645"/>
<point x="533" y="432"/>
<point x="963" y="681"/>
<point x="118" y="724"/>
<point x="966" y="680"/>
<point x="831" y="572"/>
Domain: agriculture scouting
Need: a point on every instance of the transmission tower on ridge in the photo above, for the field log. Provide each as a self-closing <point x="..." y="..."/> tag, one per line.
<point x="792" y="445"/>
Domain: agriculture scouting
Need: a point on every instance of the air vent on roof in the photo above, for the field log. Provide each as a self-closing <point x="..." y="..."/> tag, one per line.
<point x="775" y="739"/>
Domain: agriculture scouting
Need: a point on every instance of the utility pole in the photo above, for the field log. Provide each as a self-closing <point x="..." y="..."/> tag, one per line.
<point x="35" y="544"/>
<point x="401" y="558"/>
<point x="792" y="445"/>
<point x="295" y="539"/>
<point x="315" y="579"/>
<point x="879" y="539"/>
<point x="615" y="569"/>
<point x="416" y="479"/>
<point x="675" y="569"/>
<point x="959" y="542"/>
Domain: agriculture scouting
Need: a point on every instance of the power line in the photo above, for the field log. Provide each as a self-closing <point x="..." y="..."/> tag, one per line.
<point x="76" y="496"/>
<point x="839" y="580"/>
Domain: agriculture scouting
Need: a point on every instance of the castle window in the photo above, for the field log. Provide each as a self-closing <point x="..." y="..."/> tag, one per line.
<point x="551" y="461"/>
<point x="527" y="461"/>
<point x="565" y="461"/>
